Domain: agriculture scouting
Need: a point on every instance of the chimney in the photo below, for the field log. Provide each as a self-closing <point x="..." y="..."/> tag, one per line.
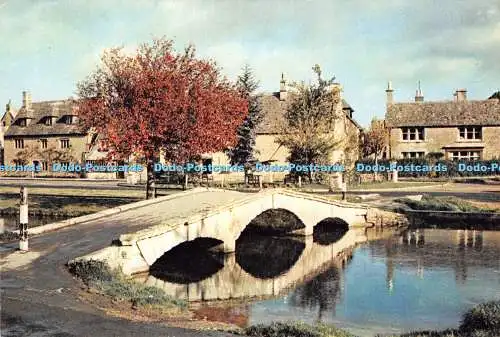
<point x="283" y="92"/>
<point x="26" y="100"/>
<point x="8" y="107"/>
<point x="461" y="95"/>
<point x="419" y="97"/>
<point x="389" y="91"/>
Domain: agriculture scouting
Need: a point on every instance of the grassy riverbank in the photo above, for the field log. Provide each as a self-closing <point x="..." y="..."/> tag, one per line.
<point x="481" y="321"/>
<point x="101" y="279"/>
<point x="430" y="203"/>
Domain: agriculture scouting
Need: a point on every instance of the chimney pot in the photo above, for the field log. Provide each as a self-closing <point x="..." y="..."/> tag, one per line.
<point x="389" y="93"/>
<point x="461" y="95"/>
<point x="283" y="92"/>
<point x="26" y="100"/>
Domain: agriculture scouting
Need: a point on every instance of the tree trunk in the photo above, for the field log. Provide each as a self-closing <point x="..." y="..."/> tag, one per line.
<point x="149" y="177"/>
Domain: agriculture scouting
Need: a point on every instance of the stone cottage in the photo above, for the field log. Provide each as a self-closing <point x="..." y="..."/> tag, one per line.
<point x="458" y="128"/>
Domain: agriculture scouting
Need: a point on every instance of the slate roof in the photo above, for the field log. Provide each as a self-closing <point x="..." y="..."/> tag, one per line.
<point x="450" y="113"/>
<point x="273" y="111"/>
<point x="37" y="113"/>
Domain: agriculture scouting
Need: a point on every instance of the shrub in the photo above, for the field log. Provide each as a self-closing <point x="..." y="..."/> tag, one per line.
<point x="485" y="316"/>
<point x="294" y="329"/>
<point x="91" y="271"/>
<point x="9" y="236"/>
<point x="430" y="203"/>
<point x="111" y="283"/>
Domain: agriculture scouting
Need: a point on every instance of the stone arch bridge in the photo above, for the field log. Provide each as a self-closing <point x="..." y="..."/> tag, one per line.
<point x="217" y="214"/>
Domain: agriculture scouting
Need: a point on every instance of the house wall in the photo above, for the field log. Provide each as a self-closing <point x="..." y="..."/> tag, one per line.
<point x="78" y="145"/>
<point x="491" y="139"/>
<point x="437" y="137"/>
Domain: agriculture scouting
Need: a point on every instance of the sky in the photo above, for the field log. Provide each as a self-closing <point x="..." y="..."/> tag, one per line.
<point x="46" y="47"/>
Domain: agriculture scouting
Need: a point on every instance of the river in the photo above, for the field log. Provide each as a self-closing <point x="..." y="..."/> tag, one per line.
<point x="389" y="282"/>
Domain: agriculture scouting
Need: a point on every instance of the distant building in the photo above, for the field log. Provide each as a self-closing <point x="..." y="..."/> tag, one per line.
<point x="268" y="150"/>
<point x="459" y="128"/>
<point x="7" y="119"/>
<point x="42" y="133"/>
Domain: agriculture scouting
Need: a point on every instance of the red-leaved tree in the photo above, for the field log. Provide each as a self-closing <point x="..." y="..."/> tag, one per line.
<point x="158" y="100"/>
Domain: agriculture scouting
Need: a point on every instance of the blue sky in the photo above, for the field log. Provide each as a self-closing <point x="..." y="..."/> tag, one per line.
<point x="46" y="47"/>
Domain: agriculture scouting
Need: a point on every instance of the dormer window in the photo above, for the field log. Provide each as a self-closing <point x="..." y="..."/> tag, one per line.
<point x="69" y="120"/>
<point x="48" y="121"/>
<point x="22" y="122"/>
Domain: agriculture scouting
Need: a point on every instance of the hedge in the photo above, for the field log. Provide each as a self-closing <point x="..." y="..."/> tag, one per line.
<point x="473" y="168"/>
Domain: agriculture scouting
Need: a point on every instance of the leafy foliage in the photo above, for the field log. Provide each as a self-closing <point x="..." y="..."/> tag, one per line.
<point x="49" y="155"/>
<point x="243" y="152"/>
<point x="294" y="329"/>
<point x="441" y="204"/>
<point x="91" y="271"/>
<point x="159" y="100"/>
<point x="495" y="95"/>
<point x="308" y="130"/>
<point x="375" y="139"/>
<point x="485" y="316"/>
<point x="97" y="274"/>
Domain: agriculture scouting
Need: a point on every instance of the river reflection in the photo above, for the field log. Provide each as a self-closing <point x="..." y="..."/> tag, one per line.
<point x="393" y="283"/>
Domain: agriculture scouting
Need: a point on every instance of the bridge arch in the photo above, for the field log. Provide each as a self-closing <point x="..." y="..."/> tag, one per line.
<point x="225" y="222"/>
<point x="329" y="230"/>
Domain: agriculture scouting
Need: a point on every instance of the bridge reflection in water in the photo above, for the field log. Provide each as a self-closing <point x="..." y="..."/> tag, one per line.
<point x="285" y="278"/>
<point x="261" y="267"/>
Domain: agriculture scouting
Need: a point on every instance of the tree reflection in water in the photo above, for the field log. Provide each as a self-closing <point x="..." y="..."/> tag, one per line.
<point x="267" y="256"/>
<point x="321" y="293"/>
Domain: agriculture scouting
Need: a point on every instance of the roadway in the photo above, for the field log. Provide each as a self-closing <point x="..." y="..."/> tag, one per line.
<point x="39" y="296"/>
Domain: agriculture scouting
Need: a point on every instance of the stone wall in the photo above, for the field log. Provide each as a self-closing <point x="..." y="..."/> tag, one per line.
<point x="437" y="137"/>
<point x="78" y="145"/>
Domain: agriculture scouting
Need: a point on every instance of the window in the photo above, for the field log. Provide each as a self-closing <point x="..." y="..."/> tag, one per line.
<point x="43" y="143"/>
<point x="68" y="120"/>
<point x="64" y="143"/>
<point x="469" y="132"/>
<point x="48" y="121"/>
<point x="19" y="143"/>
<point x="413" y="154"/>
<point x="413" y="134"/>
<point x="22" y="122"/>
<point x="44" y="165"/>
<point x="466" y="155"/>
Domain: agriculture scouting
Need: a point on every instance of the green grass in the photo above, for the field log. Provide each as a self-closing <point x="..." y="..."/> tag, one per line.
<point x="295" y="329"/>
<point x="429" y="203"/>
<point x="98" y="275"/>
<point x="481" y="321"/>
<point x="390" y="184"/>
<point x="89" y="192"/>
<point x="69" y="202"/>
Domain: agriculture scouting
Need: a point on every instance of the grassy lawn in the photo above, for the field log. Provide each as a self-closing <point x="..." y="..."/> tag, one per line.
<point x="72" y="202"/>
<point x="390" y="184"/>
<point x="430" y="203"/>
<point x="75" y="192"/>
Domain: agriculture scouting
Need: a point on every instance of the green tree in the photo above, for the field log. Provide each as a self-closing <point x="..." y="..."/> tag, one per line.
<point x="375" y="140"/>
<point x="309" y="124"/>
<point x="243" y="152"/>
<point x="495" y="95"/>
